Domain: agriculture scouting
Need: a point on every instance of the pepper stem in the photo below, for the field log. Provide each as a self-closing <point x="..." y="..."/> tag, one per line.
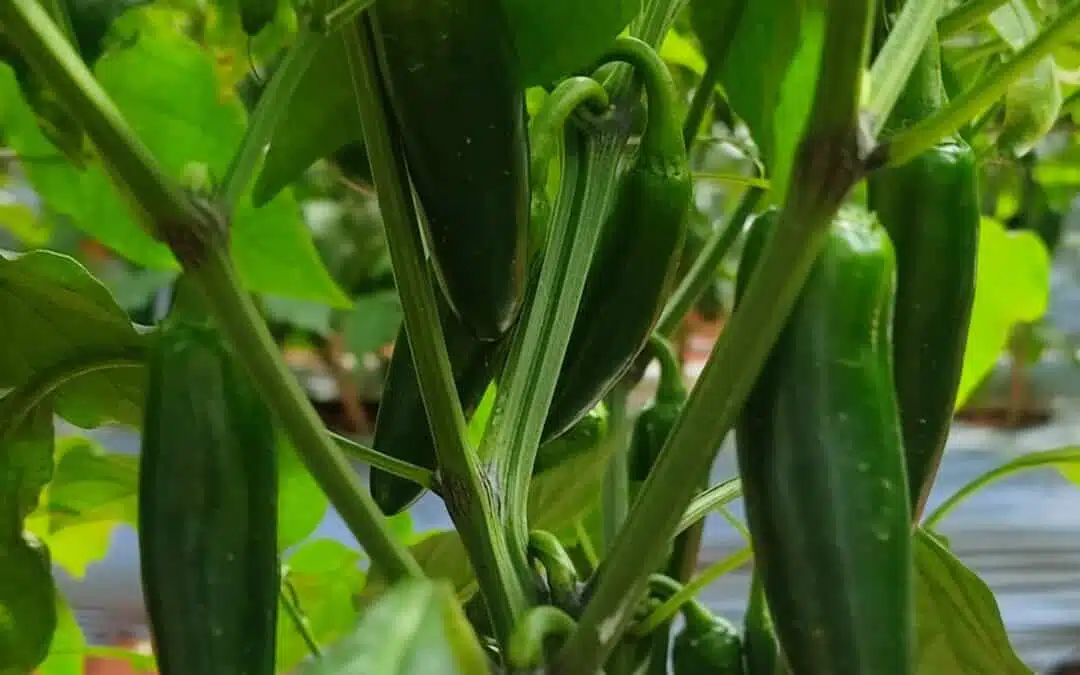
<point x="662" y="137"/>
<point x="671" y="389"/>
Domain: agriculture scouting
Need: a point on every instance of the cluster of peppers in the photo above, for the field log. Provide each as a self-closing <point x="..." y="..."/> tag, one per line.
<point x="838" y="443"/>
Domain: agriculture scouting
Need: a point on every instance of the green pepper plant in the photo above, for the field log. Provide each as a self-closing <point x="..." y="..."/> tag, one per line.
<point x="533" y="197"/>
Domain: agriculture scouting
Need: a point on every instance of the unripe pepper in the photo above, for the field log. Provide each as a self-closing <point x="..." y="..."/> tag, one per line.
<point x="207" y="508"/>
<point x="633" y="269"/>
<point x="930" y="208"/>
<point x="451" y="74"/>
<point x="707" y="644"/>
<point x="654" y="423"/>
<point x="821" y="461"/>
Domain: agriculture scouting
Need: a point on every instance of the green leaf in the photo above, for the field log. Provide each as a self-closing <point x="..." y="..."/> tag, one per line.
<point x="57" y="314"/>
<point x="28" y="616"/>
<point x="22" y="223"/>
<point x="91" y="485"/>
<point x="320" y="118"/>
<point x="68" y="648"/>
<point x="373" y="322"/>
<point x="92" y="492"/>
<point x="1033" y="102"/>
<point x="26" y="464"/>
<point x="164" y="83"/>
<point x="165" y="86"/>
<point x="301" y="502"/>
<point x="299" y="314"/>
<point x="415" y="627"/>
<point x="678" y="50"/>
<point x="582" y="31"/>
<point x="442" y="556"/>
<point x="782" y="39"/>
<point x="326" y="577"/>
<point x="91" y="19"/>
<point x="958" y="625"/>
<point x="715" y="23"/>
<point x="561" y="494"/>
<point x="1012" y="285"/>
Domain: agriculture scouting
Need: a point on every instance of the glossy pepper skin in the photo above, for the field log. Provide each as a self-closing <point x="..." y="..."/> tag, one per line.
<point x="450" y="70"/>
<point x="401" y="426"/>
<point x="633" y="269"/>
<point x="707" y="644"/>
<point x="207" y="509"/>
<point x="654" y="423"/>
<point x="821" y="460"/>
<point x="930" y="208"/>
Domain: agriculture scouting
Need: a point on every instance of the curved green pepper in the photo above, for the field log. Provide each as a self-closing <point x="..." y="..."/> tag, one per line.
<point x="821" y="460"/>
<point x="654" y="423"/>
<point x="451" y="76"/>
<point x="634" y="266"/>
<point x="207" y="508"/>
<point x="760" y="648"/>
<point x="930" y="208"/>
<point x="706" y="644"/>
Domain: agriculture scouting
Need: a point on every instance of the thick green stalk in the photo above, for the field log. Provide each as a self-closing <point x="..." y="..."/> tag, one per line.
<point x="268" y="111"/>
<point x="827" y="165"/>
<point x="703" y="271"/>
<point x="539" y="346"/>
<point x="172" y="214"/>
<point x="893" y="65"/>
<point x="916" y="139"/>
<point x="195" y="236"/>
<point x="616" y="492"/>
<point x="467" y="494"/>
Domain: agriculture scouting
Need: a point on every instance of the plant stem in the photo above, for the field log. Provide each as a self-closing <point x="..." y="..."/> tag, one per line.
<point x="893" y="65"/>
<point x="671" y="606"/>
<point x="40" y="42"/>
<point x="616" y="493"/>
<point x="965" y="15"/>
<point x="398" y="467"/>
<point x="708" y="501"/>
<point x="298" y="619"/>
<point x="268" y="112"/>
<point x="539" y="345"/>
<point x="194" y="235"/>
<point x="827" y="164"/>
<point x="704" y="93"/>
<point x="467" y="494"/>
<point x="914" y="140"/>
<point x="238" y="318"/>
<point x="703" y="271"/>
<point x="1034" y="460"/>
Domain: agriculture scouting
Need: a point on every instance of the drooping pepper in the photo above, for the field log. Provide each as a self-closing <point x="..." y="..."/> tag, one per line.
<point x="706" y="644"/>
<point x="401" y="428"/>
<point x="451" y="74"/>
<point x="207" y="508"/>
<point x="761" y="650"/>
<point x="654" y="423"/>
<point x="821" y="460"/>
<point x="930" y="208"/>
<point x="633" y="269"/>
